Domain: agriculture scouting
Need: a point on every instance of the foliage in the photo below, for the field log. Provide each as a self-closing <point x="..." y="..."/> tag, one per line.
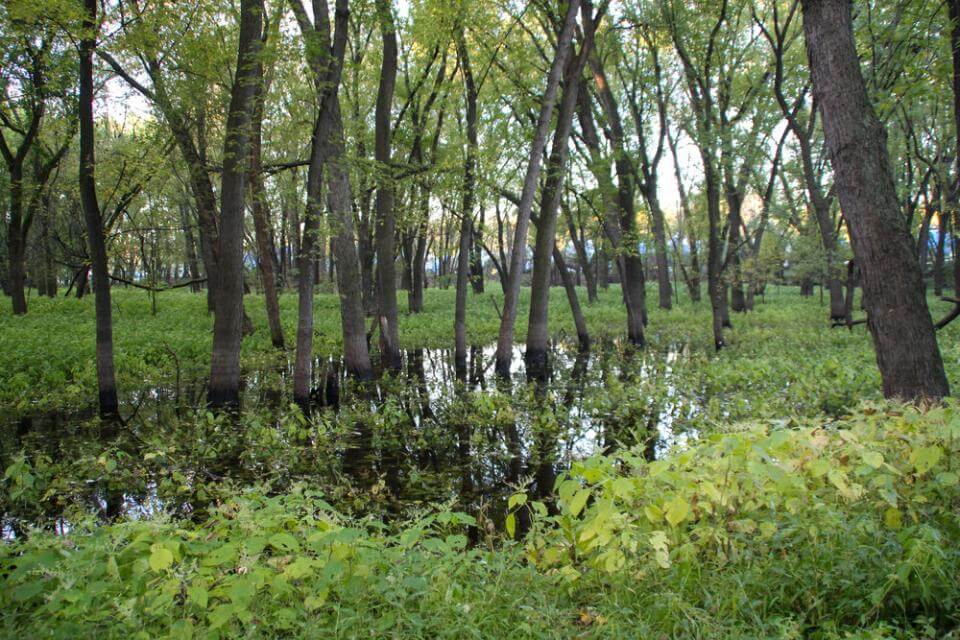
<point x="790" y="528"/>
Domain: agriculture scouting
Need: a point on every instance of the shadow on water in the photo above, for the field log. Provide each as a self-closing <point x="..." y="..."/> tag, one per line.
<point x="430" y="435"/>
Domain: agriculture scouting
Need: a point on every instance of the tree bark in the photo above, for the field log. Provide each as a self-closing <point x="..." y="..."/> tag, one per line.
<point x="224" y="389"/>
<point x="512" y="295"/>
<point x="898" y="318"/>
<point x="106" y="379"/>
<point x="386" y="220"/>
<point x="326" y="63"/>
<point x="258" y="208"/>
<point x="545" y="247"/>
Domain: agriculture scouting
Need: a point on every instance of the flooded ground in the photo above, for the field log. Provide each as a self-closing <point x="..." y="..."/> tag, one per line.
<point x="389" y="449"/>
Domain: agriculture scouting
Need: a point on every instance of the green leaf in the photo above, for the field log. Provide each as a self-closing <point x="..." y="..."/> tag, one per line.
<point x="511" y="525"/>
<point x="926" y="458"/>
<point x="579" y="502"/>
<point x="284" y="542"/>
<point x="161" y="558"/>
<point x="873" y="458"/>
<point x="948" y="478"/>
<point x="653" y="512"/>
<point x="677" y="510"/>
<point x="892" y="518"/>
<point x="198" y="595"/>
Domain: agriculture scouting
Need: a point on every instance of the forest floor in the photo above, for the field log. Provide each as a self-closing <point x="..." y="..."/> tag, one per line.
<point x="766" y="491"/>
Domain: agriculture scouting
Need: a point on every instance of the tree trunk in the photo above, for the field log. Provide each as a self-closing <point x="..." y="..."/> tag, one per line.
<point x="386" y="220"/>
<point x="106" y="379"/>
<point x="583" y="334"/>
<point x="898" y="318"/>
<point x="530" y="182"/>
<point x="258" y="208"/>
<point x="465" y="259"/>
<point x="715" y="289"/>
<point x="224" y="389"/>
<point x="16" y="248"/>
<point x="356" y="357"/>
<point x="660" y="248"/>
<point x="463" y="281"/>
<point x="545" y="247"/>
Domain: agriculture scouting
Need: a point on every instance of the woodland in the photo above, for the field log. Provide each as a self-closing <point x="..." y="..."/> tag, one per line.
<point x="506" y="319"/>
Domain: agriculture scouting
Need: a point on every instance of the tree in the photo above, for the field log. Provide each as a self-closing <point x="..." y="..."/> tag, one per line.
<point x="325" y="54"/>
<point x="106" y="379"/>
<point x="512" y="293"/>
<point x="224" y="388"/>
<point x="898" y="318"/>
<point x="32" y="69"/>
<point x="386" y="224"/>
<point x="545" y="250"/>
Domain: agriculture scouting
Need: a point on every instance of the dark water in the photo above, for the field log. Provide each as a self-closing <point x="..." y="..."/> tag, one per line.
<point x="425" y="437"/>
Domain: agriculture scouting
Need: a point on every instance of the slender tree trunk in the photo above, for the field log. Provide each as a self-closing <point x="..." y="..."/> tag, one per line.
<point x="49" y="269"/>
<point x="583" y="334"/>
<point x="106" y="379"/>
<point x="190" y="245"/>
<point x="589" y="274"/>
<point x="306" y="257"/>
<point x="465" y="259"/>
<point x="923" y="238"/>
<point x="258" y="208"/>
<point x="897" y="315"/>
<point x="664" y="287"/>
<point x="531" y="179"/>
<point x="715" y="289"/>
<point x="419" y="266"/>
<point x="356" y="357"/>
<point x="224" y="389"/>
<point x="16" y="248"/>
<point x="386" y="220"/>
<point x="545" y="247"/>
<point x="463" y="281"/>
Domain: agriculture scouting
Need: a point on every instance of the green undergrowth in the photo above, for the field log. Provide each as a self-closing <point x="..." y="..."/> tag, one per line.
<point x="843" y="528"/>
<point x="47" y="364"/>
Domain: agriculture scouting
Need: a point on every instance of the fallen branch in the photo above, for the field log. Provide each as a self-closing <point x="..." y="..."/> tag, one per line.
<point x="146" y="287"/>
<point x="950" y="317"/>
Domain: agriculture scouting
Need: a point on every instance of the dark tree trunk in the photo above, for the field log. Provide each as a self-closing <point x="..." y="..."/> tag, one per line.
<point x="356" y="357"/>
<point x="258" y="207"/>
<point x="16" y="248"/>
<point x="386" y="220"/>
<point x="327" y="151"/>
<point x="583" y="334"/>
<point x="923" y="238"/>
<point x="589" y="274"/>
<point x="193" y="268"/>
<point x="897" y="315"/>
<point x="545" y="251"/>
<point x="463" y="281"/>
<point x="49" y="269"/>
<point x="616" y="224"/>
<point x="106" y="379"/>
<point x="464" y="260"/>
<point x="224" y="389"/>
<point x="634" y="280"/>
<point x="664" y="287"/>
<point x="531" y="179"/>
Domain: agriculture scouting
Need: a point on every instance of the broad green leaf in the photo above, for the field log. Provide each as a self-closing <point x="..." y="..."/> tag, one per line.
<point x="160" y="557"/>
<point x="925" y="458"/>
<point x="579" y="502"/>
<point x="677" y="510"/>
